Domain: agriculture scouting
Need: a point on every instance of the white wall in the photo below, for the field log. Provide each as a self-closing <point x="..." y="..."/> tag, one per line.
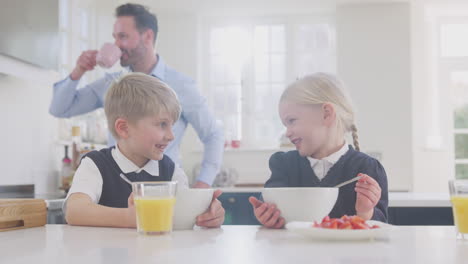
<point x="27" y="129"/>
<point x="373" y="43"/>
<point x="240" y="7"/>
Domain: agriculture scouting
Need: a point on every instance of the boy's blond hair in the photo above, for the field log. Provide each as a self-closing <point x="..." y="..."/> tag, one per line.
<point x="135" y="96"/>
<point x="320" y="88"/>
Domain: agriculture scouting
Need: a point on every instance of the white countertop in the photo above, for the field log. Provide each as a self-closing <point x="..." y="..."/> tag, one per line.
<point x="411" y="199"/>
<point x="230" y="244"/>
<point x="396" y="199"/>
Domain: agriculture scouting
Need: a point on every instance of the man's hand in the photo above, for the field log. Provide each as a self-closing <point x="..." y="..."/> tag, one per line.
<point x="86" y="62"/>
<point x="200" y="184"/>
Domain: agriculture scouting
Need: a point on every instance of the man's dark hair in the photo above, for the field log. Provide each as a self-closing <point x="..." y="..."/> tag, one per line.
<point x="143" y="18"/>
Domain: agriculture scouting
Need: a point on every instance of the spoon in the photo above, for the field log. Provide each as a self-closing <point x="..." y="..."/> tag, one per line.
<point x="125" y="178"/>
<point x="348" y="182"/>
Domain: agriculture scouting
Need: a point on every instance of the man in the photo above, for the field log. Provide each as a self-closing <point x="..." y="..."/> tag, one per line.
<point x="135" y="32"/>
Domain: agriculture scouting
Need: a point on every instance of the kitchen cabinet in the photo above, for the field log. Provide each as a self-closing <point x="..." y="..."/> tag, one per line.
<point x="404" y="209"/>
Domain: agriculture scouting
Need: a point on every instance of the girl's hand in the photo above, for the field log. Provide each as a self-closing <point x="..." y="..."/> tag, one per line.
<point x="367" y="196"/>
<point x="267" y="214"/>
<point x="214" y="216"/>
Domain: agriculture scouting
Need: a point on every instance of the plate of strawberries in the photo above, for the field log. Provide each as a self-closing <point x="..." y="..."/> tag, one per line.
<point x="344" y="228"/>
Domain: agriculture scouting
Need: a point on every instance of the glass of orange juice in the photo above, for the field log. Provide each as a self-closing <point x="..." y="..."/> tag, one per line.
<point x="459" y="199"/>
<point x="154" y="206"/>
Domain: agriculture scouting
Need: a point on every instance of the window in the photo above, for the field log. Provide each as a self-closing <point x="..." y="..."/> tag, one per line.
<point x="459" y="80"/>
<point x="249" y="65"/>
<point x="269" y="79"/>
<point x="454" y="76"/>
<point x="228" y="54"/>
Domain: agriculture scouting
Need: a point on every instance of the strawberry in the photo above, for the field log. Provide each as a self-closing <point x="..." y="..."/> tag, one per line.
<point x="344" y="222"/>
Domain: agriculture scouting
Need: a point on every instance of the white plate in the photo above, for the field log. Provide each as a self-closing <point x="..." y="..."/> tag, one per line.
<point x="306" y="229"/>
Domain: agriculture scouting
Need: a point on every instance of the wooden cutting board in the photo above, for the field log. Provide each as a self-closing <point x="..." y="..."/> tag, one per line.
<point x="22" y="213"/>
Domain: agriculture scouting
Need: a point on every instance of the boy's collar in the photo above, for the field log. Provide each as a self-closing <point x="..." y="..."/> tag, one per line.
<point x="127" y="166"/>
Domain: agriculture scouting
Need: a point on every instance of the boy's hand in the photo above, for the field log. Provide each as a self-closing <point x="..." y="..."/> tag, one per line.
<point x="267" y="214"/>
<point x="367" y="196"/>
<point x="214" y="215"/>
<point x="131" y="214"/>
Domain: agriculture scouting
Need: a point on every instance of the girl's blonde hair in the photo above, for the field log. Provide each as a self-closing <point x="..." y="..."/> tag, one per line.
<point x="135" y="96"/>
<point x="320" y="88"/>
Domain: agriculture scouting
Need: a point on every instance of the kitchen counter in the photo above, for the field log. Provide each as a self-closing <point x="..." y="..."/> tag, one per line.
<point x="396" y="199"/>
<point x="54" y="200"/>
<point x="27" y="192"/>
<point x="405" y="208"/>
<point x="230" y="244"/>
<point x="412" y="199"/>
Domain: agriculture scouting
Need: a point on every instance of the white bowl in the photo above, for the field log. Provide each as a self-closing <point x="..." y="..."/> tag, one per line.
<point x="302" y="204"/>
<point x="190" y="203"/>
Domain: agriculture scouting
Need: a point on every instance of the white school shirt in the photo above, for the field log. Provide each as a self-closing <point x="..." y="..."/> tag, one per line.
<point x="88" y="179"/>
<point x="322" y="166"/>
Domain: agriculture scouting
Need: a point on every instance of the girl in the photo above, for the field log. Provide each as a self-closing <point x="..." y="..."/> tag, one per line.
<point x="318" y="114"/>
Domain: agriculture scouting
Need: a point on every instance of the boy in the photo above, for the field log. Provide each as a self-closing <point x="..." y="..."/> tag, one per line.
<point x="140" y="112"/>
